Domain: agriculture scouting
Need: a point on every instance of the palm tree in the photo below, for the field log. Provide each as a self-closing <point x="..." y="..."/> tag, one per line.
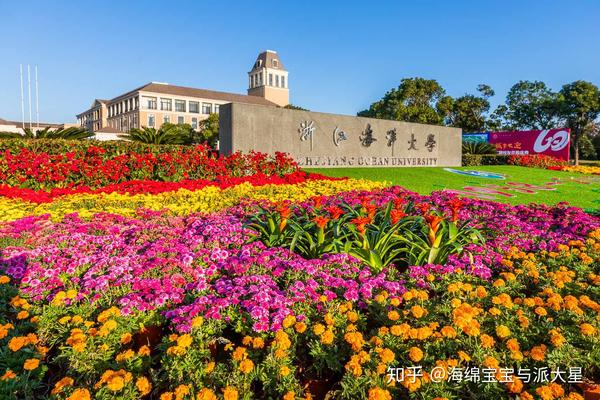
<point x="167" y="134"/>
<point x="71" y="133"/>
<point x="478" y="148"/>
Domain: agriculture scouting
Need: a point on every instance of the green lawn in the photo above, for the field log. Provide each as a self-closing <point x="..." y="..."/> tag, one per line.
<point x="425" y="180"/>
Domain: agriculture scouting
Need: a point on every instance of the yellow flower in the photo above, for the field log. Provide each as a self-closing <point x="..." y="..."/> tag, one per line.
<point x="300" y="327"/>
<point x="387" y="356"/>
<point x="289" y="321"/>
<point x="80" y="394"/>
<point x="22" y="314"/>
<point x="284" y="370"/>
<point x="289" y="395"/>
<point x="448" y="332"/>
<point x="197" y="321"/>
<point x="206" y="394"/>
<point x="587" y="329"/>
<point x="487" y="341"/>
<point x="352" y="316"/>
<point x="115" y="383"/>
<point x="377" y="393"/>
<point x="64" y="382"/>
<point x="144" y="351"/>
<point x="4" y="279"/>
<point x="126" y="338"/>
<point x="463" y="356"/>
<point x="239" y="353"/>
<point x="124" y="356"/>
<point x="538" y="353"/>
<point x="258" y="343"/>
<point x="143" y="385"/>
<point x="31" y="364"/>
<point x="210" y="367"/>
<point x="502" y="331"/>
<point x="319" y="329"/>
<point x="185" y="340"/>
<point x="181" y="391"/>
<point x="246" y="365"/>
<point x="418" y="311"/>
<point x="393" y="315"/>
<point x="415" y="354"/>
<point x="327" y="337"/>
<point x="230" y="393"/>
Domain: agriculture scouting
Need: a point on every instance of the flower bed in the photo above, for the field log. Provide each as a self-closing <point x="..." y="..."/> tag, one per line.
<point x="186" y="198"/>
<point x="178" y="306"/>
<point x="93" y="165"/>
<point x="537" y="161"/>
<point x="582" y="169"/>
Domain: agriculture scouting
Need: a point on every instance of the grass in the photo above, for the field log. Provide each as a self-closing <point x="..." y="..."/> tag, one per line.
<point x="425" y="180"/>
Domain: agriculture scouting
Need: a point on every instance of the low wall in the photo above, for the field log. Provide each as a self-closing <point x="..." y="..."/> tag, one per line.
<point x="329" y="140"/>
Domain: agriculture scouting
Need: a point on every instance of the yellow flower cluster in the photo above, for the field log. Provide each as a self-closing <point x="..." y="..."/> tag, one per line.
<point x="582" y="169"/>
<point x="181" y="202"/>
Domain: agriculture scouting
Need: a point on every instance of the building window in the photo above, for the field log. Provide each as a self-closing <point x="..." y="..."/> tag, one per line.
<point x="270" y="79"/>
<point x="150" y="102"/>
<point x="180" y="119"/>
<point x="166" y="104"/>
<point x="166" y="119"/>
<point x="151" y="120"/>
<point x="180" y="105"/>
<point x="275" y="63"/>
<point x="277" y="80"/>
<point x="194" y="123"/>
<point x="194" y="107"/>
<point x="206" y="108"/>
<point x="216" y="108"/>
<point x="260" y="79"/>
<point x="283" y="81"/>
<point x="137" y="103"/>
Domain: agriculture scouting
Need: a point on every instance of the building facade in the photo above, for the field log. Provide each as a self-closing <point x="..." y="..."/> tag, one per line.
<point x="156" y="103"/>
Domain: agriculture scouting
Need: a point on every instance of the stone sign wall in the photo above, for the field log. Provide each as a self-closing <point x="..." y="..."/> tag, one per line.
<point x="329" y="140"/>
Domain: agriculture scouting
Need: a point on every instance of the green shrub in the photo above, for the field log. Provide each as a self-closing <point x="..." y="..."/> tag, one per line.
<point x="472" y="160"/>
<point x="478" y="148"/>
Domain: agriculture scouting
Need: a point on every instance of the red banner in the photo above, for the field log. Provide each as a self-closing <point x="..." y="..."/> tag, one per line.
<point x="551" y="142"/>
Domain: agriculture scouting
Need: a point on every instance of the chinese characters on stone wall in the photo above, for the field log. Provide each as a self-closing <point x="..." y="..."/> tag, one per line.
<point x="366" y="138"/>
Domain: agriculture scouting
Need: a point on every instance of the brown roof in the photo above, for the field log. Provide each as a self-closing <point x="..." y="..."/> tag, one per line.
<point x="267" y="59"/>
<point x="34" y="124"/>
<point x="165" y="88"/>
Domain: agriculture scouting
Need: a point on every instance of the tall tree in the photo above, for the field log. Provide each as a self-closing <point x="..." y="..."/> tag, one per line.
<point x="415" y="100"/>
<point x="209" y="129"/>
<point x="579" y="106"/>
<point x="529" y="105"/>
<point x="469" y="112"/>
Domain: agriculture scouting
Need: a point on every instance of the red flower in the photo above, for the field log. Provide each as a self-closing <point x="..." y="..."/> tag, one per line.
<point x="361" y="222"/>
<point x="320" y="221"/>
<point x="455" y="205"/>
<point x="335" y="212"/>
<point x="434" y="225"/>
<point x="423" y="207"/>
<point x="396" y="215"/>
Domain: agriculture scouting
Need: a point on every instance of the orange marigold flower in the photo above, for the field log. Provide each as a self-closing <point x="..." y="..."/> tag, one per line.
<point x="378" y="393"/>
<point x="230" y="393"/>
<point x="80" y="394"/>
<point x="143" y="385"/>
<point x="415" y="354"/>
<point x="206" y="394"/>
<point x="31" y="364"/>
<point x="246" y="366"/>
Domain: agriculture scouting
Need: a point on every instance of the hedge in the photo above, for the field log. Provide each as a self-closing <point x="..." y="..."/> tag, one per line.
<point x="472" y="160"/>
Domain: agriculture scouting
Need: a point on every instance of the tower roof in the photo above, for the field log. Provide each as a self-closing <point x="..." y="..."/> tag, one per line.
<point x="268" y="59"/>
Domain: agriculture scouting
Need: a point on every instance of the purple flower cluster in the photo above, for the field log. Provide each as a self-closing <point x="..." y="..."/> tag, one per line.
<point x="207" y="265"/>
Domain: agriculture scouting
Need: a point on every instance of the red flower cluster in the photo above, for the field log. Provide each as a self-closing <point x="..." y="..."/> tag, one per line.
<point x="95" y="167"/>
<point x="154" y="187"/>
<point x="536" y="160"/>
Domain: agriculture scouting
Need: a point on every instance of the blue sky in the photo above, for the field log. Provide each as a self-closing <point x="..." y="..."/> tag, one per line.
<point x="342" y="55"/>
